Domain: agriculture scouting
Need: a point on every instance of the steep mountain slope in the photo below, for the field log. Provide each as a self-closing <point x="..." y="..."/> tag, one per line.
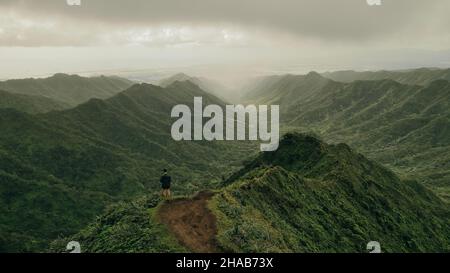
<point x="306" y="197"/>
<point x="289" y="90"/>
<point x="30" y="104"/>
<point x="70" y="89"/>
<point x="312" y="197"/>
<point x="402" y="126"/>
<point x="39" y="194"/>
<point x="125" y="227"/>
<point x="278" y="87"/>
<point x="421" y="76"/>
<point x="108" y="150"/>
<point x="149" y="225"/>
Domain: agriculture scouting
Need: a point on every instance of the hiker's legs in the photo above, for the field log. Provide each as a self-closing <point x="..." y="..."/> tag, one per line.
<point x="166" y="193"/>
<point x="169" y="194"/>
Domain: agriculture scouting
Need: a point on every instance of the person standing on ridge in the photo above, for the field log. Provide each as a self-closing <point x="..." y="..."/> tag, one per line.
<point x="165" y="185"/>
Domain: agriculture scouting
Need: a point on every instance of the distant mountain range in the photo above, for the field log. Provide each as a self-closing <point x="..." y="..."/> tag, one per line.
<point x="60" y="169"/>
<point x="68" y="89"/>
<point x="421" y="76"/>
<point x="90" y="173"/>
<point x="406" y="127"/>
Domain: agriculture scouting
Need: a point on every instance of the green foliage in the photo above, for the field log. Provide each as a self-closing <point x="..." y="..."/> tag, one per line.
<point x="312" y="197"/>
<point x="59" y="170"/>
<point x="30" y="104"/>
<point x="95" y="154"/>
<point x="35" y="209"/>
<point x="126" y="227"/>
<point x="405" y="127"/>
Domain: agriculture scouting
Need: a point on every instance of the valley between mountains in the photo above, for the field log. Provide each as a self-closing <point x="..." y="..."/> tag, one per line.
<point x="363" y="157"/>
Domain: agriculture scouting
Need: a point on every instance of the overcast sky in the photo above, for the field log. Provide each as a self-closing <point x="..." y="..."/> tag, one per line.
<point x="231" y="36"/>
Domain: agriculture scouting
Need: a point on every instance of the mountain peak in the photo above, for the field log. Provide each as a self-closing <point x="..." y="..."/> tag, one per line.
<point x="183" y="83"/>
<point x="65" y="76"/>
<point x="294" y="77"/>
<point x="296" y="139"/>
<point x="316" y="77"/>
<point x="177" y="77"/>
<point x="181" y="75"/>
<point x="314" y="74"/>
<point x="296" y="148"/>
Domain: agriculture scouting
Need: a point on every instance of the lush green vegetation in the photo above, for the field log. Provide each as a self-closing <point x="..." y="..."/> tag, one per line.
<point x="306" y="197"/>
<point x="60" y="169"/>
<point x="126" y="227"/>
<point x="30" y="104"/>
<point x="312" y="197"/>
<point x="405" y="127"/>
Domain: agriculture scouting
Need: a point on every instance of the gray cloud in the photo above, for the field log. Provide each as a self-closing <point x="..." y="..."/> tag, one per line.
<point x="328" y="20"/>
<point x="39" y="37"/>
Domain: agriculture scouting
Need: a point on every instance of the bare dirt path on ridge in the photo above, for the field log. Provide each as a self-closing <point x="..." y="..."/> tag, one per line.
<point x="193" y="224"/>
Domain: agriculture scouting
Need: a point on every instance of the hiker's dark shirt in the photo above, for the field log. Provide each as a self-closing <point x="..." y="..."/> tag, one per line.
<point x="165" y="181"/>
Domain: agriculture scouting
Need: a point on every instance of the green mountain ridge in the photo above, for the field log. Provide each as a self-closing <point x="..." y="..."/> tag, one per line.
<point x="421" y="76"/>
<point x="69" y="89"/>
<point x="312" y="197"/>
<point x="107" y="150"/>
<point x="208" y="85"/>
<point x="125" y="227"/>
<point x="306" y="197"/>
<point x="402" y="126"/>
<point x="90" y="173"/>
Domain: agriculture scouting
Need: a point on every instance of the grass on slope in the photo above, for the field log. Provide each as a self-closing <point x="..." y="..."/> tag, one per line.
<point x="30" y="104"/>
<point x="312" y="197"/>
<point x="109" y="150"/>
<point x="126" y="227"/>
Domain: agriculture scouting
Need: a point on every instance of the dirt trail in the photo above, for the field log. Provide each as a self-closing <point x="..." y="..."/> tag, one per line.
<point x="192" y="222"/>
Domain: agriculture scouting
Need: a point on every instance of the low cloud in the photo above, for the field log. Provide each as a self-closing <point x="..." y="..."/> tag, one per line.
<point x="237" y="36"/>
<point x="54" y="23"/>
